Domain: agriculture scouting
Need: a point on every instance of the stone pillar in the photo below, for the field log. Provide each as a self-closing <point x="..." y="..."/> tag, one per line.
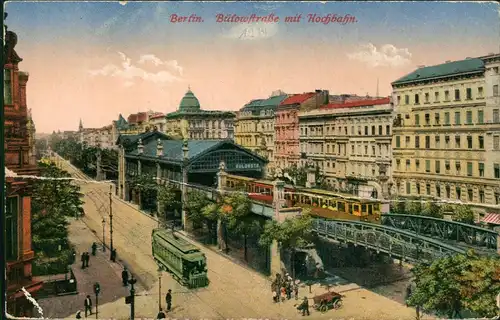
<point x="221" y="187"/>
<point x="185" y="153"/>
<point x="159" y="207"/>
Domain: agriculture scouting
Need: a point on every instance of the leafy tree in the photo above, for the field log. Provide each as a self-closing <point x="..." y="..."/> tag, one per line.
<point x="168" y="198"/>
<point x="290" y="234"/>
<point x="146" y="185"/>
<point x="431" y="209"/>
<point x="195" y="205"/>
<point x="463" y="213"/>
<point x="298" y="174"/>
<point x="398" y="206"/>
<point x="458" y="282"/>
<point x="413" y="207"/>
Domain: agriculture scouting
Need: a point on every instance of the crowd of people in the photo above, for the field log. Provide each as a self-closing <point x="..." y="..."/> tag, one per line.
<point x="284" y="287"/>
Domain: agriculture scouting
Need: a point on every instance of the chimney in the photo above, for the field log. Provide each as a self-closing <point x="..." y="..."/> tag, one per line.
<point x="159" y="148"/>
<point x="140" y="147"/>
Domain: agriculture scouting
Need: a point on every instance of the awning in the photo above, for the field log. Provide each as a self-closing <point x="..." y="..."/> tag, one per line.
<point x="492" y="218"/>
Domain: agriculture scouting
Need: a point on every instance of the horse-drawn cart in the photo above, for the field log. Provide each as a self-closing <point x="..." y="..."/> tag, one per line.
<point x="327" y="301"/>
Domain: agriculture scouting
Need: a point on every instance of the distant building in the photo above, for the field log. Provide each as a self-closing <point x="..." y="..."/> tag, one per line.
<point x="200" y="124"/>
<point x="286" y="144"/>
<point x="350" y="143"/>
<point x="446" y="140"/>
<point x="17" y="251"/>
<point x="104" y="137"/>
<point x="254" y="126"/>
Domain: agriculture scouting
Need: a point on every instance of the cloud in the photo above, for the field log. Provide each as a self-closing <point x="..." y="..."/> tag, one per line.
<point x="129" y="72"/>
<point x="255" y="31"/>
<point x="387" y="56"/>
<point x="173" y="64"/>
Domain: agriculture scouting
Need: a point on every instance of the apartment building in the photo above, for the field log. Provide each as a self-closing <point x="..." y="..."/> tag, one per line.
<point x="446" y="140"/>
<point x="351" y="144"/>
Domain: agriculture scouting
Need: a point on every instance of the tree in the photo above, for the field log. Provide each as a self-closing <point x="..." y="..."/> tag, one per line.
<point x="290" y="234"/>
<point x="453" y="283"/>
<point x="194" y="205"/>
<point x="413" y="207"/>
<point x="398" y="206"/>
<point x="168" y="198"/>
<point x="463" y="213"/>
<point x="298" y="174"/>
<point x="432" y="209"/>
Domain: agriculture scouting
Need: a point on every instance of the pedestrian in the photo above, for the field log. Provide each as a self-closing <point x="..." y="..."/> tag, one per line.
<point x="113" y="255"/>
<point x="94" y="248"/>
<point x="283" y="294"/>
<point x="296" y="290"/>
<point x="83" y="260"/>
<point x="125" y="276"/>
<point x="87" y="259"/>
<point x="78" y="315"/>
<point x="305" y="307"/>
<point x="275" y="296"/>
<point x="288" y="290"/>
<point x="161" y="314"/>
<point x="168" y="299"/>
<point x="88" y="306"/>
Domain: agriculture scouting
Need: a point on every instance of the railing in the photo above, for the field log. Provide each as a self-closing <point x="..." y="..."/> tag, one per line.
<point x="443" y="229"/>
<point x="399" y="243"/>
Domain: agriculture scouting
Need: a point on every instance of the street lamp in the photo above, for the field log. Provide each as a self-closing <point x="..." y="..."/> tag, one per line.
<point x="103" y="242"/>
<point x="159" y="288"/>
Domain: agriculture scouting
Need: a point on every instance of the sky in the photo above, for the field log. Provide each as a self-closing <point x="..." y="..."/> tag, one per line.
<point x="95" y="60"/>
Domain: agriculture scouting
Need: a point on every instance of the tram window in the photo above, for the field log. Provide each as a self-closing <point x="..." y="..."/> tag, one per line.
<point x="370" y="209"/>
<point x="356" y="207"/>
<point x="376" y="207"/>
<point x="363" y="208"/>
<point x="341" y="206"/>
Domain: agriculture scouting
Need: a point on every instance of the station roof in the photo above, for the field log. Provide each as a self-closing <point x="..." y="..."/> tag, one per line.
<point x="131" y="140"/>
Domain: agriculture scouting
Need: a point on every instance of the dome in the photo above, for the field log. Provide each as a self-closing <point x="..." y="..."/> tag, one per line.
<point x="189" y="102"/>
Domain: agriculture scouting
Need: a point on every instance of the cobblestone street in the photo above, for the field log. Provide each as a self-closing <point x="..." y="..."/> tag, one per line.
<point x="234" y="291"/>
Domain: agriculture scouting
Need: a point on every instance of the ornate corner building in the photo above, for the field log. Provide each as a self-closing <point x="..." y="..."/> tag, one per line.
<point x="446" y="142"/>
<point x="19" y="160"/>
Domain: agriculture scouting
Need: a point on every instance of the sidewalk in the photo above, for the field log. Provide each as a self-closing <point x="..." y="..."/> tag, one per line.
<point x="100" y="270"/>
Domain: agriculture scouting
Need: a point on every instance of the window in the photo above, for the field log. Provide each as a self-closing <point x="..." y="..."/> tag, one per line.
<point x="437" y="140"/>
<point x="495" y="90"/>
<point x="469" y="142"/>
<point x="417" y="100"/>
<point x="399" y="100"/>
<point x="427" y="142"/>
<point x="436" y="96"/>
<point x="446" y="118"/>
<point x="373" y="130"/>
<point x="496" y="170"/>
<point x="495" y="70"/>
<point x="417" y="142"/>
<point x="438" y="191"/>
<point x="366" y="150"/>
<point x="398" y="142"/>
<point x="481" y="169"/>
<point x="481" y="195"/>
<point x="373" y="150"/>
<point x="457" y="118"/>
<point x="408" y="165"/>
<point x="428" y="189"/>
<point x="480" y="92"/>
<point x="366" y="130"/>
<point x="457" y="166"/>
<point x="427" y="119"/>
<point x="407" y="99"/>
<point x="380" y="132"/>
<point x="496" y="143"/>
<point x="398" y="164"/>
<point x="418" y="187"/>
<point x="447" y="95"/>
<point x="497" y="198"/>
<point x="480" y="116"/>
<point x="427" y="98"/>
<point x="438" y="166"/>
<point x="417" y="164"/>
<point x="408" y="188"/>
<point x="427" y="165"/>
<point x="458" y="191"/>
<point x="407" y="141"/>
<point x="436" y="118"/>
<point x="481" y="142"/>
<point x="496" y="116"/>
<point x="457" y="94"/>
<point x="417" y="120"/>
<point x="469" y="169"/>
<point x="448" y="192"/>
<point x="468" y="117"/>
<point x="469" y="94"/>
<point x="11" y="217"/>
<point x="470" y="195"/>
<point x="388" y="130"/>
<point x="457" y="142"/>
<point x="352" y="149"/>
<point x="7" y="86"/>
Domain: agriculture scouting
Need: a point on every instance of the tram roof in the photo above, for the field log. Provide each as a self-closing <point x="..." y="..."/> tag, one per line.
<point x="339" y="195"/>
<point x="182" y="244"/>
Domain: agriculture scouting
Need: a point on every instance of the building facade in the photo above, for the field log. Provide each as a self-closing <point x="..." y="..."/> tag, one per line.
<point x="18" y="161"/>
<point x="254" y="126"/>
<point x="446" y="140"/>
<point x="350" y="143"/>
<point x="286" y="143"/>
<point x="104" y="137"/>
<point x="199" y="124"/>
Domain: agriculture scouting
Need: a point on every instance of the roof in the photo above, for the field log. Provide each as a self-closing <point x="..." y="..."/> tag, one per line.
<point x="138" y="117"/>
<point x="443" y="70"/>
<point x="121" y="123"/>
<point x="358" y="103"/>
<point x="129" y="140"/>
<point x="182" y="113"/>
<point x="189" y="102"/>
<point x="259" y="104"/>
<point x="297" y="98"/>
<point x="172" y="149"/>
<point x="492" y="218"/>
<point x="157" y="116"/>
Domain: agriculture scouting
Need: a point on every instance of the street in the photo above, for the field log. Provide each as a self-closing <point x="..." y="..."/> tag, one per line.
<point x="234" y="291"/>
